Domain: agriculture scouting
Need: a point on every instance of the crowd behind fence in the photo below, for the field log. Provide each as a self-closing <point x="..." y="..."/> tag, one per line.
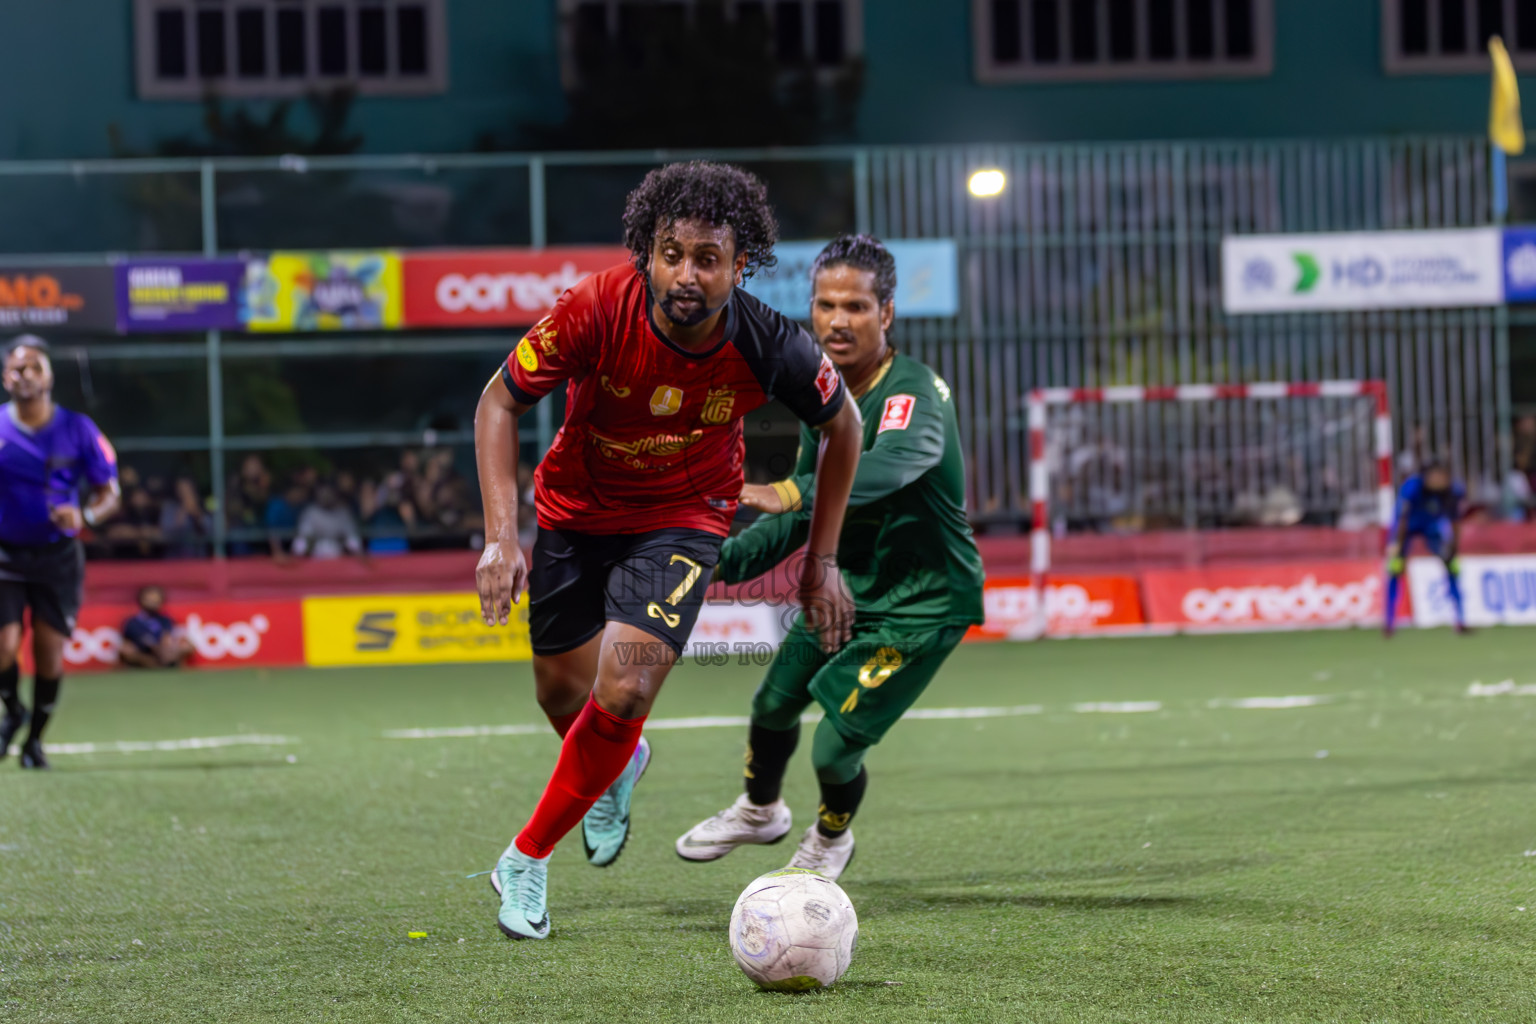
<point x="1098" y="266"/>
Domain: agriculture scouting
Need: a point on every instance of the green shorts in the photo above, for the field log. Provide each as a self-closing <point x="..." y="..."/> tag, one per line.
<point x="869" y="684"/>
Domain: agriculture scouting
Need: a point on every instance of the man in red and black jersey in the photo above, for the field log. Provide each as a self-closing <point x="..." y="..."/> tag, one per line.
<point x="662" y="358"/>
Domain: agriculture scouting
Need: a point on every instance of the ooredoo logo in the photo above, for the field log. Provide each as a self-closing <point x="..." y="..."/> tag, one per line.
<point x="214" y="641"/>
<point x="1306" y="601"/>
<point x="87" y="645"/>
<point x="489" y="293"/>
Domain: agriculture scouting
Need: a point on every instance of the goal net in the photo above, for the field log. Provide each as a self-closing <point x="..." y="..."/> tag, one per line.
<point x="1123" y="460"/>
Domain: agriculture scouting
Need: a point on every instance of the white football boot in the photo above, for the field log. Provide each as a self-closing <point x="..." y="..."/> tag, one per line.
<point x="741" y="824"/>
<point x="827" y="857"/>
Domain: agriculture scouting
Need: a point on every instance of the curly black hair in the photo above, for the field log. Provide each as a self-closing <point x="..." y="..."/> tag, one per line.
<point x="861" y="252"/>
<point x="718" y="194"/>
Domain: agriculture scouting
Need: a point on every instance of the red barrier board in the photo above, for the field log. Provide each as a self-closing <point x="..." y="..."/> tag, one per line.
<point x="1266" y="596"/>
<point x="1074" y="604"/>
<point x="496" y="287"/>
<point x="225" y="634"/>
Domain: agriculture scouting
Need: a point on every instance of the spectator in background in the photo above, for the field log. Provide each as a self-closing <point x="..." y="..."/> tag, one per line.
<point x="388" y="514"/>
<point x="327" y="527"/>
<point x="150" y="638"/>
<point x="135" y="531"/>
<point x="281" y="516"/>
<point x="347" y="490"/>
<point x="527" y="514"/>
<point x="184" y="523"/>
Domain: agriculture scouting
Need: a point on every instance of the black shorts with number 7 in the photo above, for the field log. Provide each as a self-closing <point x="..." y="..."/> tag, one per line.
<point x="655" y="581"/>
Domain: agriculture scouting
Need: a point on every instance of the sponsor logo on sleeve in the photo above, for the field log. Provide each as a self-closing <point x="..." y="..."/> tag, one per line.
<point x="898" y="413"/>
<point x="826" y="380"/>
<point x="526" y="357"/>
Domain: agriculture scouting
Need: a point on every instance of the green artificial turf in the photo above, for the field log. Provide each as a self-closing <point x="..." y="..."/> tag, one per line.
<point x="1367" y="859"/>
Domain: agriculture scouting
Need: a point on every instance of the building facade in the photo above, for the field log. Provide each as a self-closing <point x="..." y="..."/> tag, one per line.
<point x="439" y="76"/>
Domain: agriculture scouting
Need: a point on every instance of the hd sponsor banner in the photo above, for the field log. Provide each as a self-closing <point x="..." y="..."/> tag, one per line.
<point x="224" y="634"/>
<point x="180" y="295"/>
<point x="409" y="629"/>
<point x="58" y="298"/>
<point x="1520" y="264"/>
<point x="1073" y="604"/>
<point x="323" y="291"/>
<point x="927" y="277"/>
<point x="1362" y="270"/>
<point x="1496" y="590"/>
<point x="496" y="287"/>
<point x="1265" y="596"/>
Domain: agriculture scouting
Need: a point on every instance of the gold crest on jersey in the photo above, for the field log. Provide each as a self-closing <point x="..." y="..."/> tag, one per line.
<point x="665" y="401"/>
<point x="717" y="406"/>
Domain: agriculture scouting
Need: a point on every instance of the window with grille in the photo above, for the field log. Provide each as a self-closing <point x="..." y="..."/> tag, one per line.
<point x="813" y="34"/>
<point x="260" y="48"/>
<point x="1094" y="40"/>
<point x="1452" y="35"/>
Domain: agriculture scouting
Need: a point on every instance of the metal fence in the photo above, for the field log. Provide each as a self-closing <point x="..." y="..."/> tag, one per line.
<point x="1099" y="265"/>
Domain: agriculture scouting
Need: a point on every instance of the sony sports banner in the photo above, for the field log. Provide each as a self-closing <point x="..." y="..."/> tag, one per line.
<point x="224" y="634"/>
<point x="1073" y="605"/>
<point x="180" y="295"/>
<point x="496" y="287"/>
<point x="1282" y="596"/>
<point x="927" y="277"/>
<point x="81" y="298"/>
<point x="323" y="291"/>
<point x="1496" y="590"/>
<point x="409" y="629"/>
<point x="1362" y="270"/>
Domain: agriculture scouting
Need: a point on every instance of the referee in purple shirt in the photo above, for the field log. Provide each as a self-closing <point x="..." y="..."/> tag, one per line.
<point x="45" y="453"/>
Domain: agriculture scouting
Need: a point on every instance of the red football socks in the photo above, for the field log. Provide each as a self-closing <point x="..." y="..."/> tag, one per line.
<point x="563" y="723"/>
<point x="595" y="751"/>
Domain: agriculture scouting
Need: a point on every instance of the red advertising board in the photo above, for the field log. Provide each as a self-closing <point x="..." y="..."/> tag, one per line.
<point x="496" y="287"/>
<point x="1305" y="594"/>
<point x="225" y="634"/>
<point x="1074" y="604"/>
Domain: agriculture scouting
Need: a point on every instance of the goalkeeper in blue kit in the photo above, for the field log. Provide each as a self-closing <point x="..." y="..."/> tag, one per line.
<point x="1429" y="506"/>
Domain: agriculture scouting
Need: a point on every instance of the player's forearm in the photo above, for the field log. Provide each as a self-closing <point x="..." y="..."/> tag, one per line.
<point x="761" y="546"/>
<point x="103" y="504"/>
<point x="496" y="448"/>
<point x="841" y="441"/>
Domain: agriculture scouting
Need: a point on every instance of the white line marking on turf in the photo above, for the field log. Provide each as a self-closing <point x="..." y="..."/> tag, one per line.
<point x="1124" y="707"/>
<point x="145" y="746"/>
<point x="1271" y="703"/>
<point x="1507" y="687"/>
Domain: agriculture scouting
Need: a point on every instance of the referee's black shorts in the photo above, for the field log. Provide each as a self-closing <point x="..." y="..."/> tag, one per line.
<point x="655" y="581"/>
<point x="48" y="578"/>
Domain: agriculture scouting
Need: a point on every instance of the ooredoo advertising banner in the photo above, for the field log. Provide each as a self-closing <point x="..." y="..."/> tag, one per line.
<point x="323" y="291"/>
<point x="57" y="298"/>
<point x="224" y="634"/>
<point x="179" y="295"/>
<point x="1073" y="604"/>
<point x="1496" y="590"/>
<point x="1281" y="596"/>
<point x="496" y="287"/>
<point x="409" y="629"/>
<point x="736" y="632"/>
<point x="1362" y="270"/>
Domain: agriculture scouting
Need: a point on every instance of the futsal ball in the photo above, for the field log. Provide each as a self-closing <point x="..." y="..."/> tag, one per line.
<point x="793" y="931"/>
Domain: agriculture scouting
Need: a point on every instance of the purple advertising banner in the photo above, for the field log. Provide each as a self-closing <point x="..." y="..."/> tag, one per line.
<point x="180" y="295"/>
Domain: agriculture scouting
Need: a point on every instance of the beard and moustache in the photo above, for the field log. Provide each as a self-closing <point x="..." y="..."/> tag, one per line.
<point x="696" y="315"/>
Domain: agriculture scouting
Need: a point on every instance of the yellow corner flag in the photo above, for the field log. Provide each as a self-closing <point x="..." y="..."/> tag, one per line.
<point x="1504" y="125"/>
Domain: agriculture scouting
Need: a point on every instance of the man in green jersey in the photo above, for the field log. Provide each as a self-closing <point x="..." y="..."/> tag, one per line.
<point x="907" y="556"/>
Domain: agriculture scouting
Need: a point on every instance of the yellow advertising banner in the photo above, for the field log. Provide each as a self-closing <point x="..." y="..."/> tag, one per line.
<point x="324" y="291"/>
<point x="409" y="629"/>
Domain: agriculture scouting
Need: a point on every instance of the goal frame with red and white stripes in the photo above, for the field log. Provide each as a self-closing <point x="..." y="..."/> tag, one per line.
<point x="1041" y="400"/>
